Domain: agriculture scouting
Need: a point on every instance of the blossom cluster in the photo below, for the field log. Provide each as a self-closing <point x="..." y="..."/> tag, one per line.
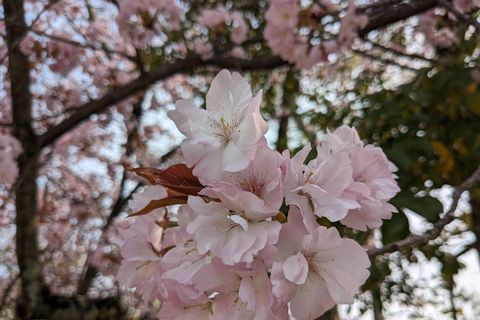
<point x="230" y="252"/>
<point x="10" y="149"/>
<point x="147" y="11"/>
<point x="219" y="19"/>
<point x="285" y="39"/>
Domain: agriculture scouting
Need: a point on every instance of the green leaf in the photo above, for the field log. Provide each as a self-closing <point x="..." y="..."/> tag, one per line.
<point x="396" y="228"/>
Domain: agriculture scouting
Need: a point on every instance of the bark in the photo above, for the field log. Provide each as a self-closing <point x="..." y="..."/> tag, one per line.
<point x="377" y="303"/>
<point x="388" y="12"/>
<point x="148" y="78"/>
<point x="28" y="256"/>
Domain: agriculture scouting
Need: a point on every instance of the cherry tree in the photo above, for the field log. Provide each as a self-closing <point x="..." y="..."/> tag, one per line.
<point x="86" y="90"/>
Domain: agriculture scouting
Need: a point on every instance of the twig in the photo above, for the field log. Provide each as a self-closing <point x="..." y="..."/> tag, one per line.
<point x="7" y="291"/>
<point x="84" y="45"/>
<point x="397" y="52"/>
<point x="420" y="240"/>
<point x="460" y="16"/>
<point x="47" y="7"/>
<point x="383" y="60"/>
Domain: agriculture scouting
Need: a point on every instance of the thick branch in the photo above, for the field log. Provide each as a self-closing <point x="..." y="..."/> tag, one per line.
<point x="420" y="240"/>
<point x="381" y="15"/>
<point x="145" y="80"/>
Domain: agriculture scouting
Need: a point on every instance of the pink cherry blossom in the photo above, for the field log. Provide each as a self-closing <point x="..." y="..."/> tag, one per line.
<point x="175" y="309"/>
<point x="226" y="135"/>
<point x="350" y="23"/>
<point x="464" y="6"/>
<point x="204" y="49"/>
<point x="239" y="33"/>
<point x="262" y="177"/>
<point x="373" y="179"/>
<point x="242" y="293"/>
<point x="213" y="17"/>
<point x="318" y="188"/>
<point x="235" y="229"/>
<point x="283" y="13"/>
<point x="280" y="39"/>
<point x="141" y="244"/>
<point x="315" y="270"/>
<point x="10" y="149"/>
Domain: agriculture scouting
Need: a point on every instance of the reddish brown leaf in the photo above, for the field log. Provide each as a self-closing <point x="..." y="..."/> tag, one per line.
<point x="181" y="179"/>
<point x="148" y="173"/>
<point x="155" y="204"/>
<point x="178" y="178"/>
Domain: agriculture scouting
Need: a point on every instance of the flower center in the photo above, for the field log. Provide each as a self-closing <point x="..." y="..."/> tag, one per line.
<point x="223" y="128"/>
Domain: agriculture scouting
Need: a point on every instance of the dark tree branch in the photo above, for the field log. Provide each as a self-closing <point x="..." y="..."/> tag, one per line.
<point x="388" y="12"/>
<point x="85" y="45"/>
<point x="421" y="240"/>
<point x="400" y="53"/>
<point x="460" y="16"/>
<point x="383" y="60"/>
<point x="145" y="80"/>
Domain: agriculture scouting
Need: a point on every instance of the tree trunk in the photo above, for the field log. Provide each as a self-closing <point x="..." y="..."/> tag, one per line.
<point x="26" y="187"/>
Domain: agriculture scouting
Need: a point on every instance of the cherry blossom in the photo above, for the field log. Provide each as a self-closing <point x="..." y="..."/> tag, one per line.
<point x="263" y="178"/>
<point x="239" y="33"/>
<point x="141" y="245"/>
<point x="10" y="149"/>
<point x="318" y="188"/>
<point x="226" y="135"/>
<point x="373" y="179"/>
<point x="315" y="270"/>
<point x="213" y="17"/>
<point x="234" y="229"/>
<point x="227" y="254"/>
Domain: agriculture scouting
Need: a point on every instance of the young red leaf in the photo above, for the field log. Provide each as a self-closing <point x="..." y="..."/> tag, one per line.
<point x="178" y="178"/>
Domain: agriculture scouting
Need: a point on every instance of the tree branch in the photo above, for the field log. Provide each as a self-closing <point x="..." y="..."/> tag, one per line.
<point x="383" y="14"/>
<point x="460" y="16"/>
<point x="420" y="240"/>
<point x="380" y="15"/>
<point x="145" y="80"/>
<point x="400" y="53"/>
<point x="383" y="60"/>
<point x="7" y="291"/>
